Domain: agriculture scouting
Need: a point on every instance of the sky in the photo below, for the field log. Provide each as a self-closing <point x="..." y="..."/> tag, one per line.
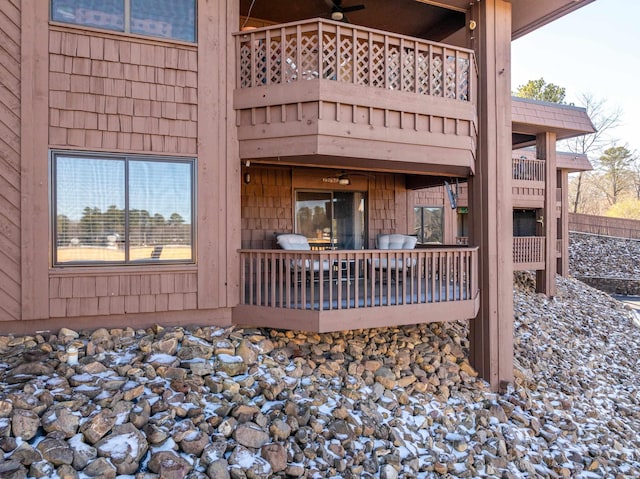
<point x="595" y="50"/>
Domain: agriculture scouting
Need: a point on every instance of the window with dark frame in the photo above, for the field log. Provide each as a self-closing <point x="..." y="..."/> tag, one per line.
<point x="429" y="224"/>
<point x="122" y="209"/>
<point x="173" y="19"/>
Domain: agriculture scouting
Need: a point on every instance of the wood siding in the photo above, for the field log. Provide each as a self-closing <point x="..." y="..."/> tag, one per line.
<point x="267" y="207"/>
<point x="10" y="251"/>
<point x="121" y="94"/>
<point x="96" y="294"/>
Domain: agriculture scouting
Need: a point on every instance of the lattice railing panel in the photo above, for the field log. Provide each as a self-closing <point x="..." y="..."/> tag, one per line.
<point x="394" y="81"/>
<point x="463" y="79"/>
<point x="362" y="62"/>
<point x="450" y="82"/>
<point x="329" y="56"/>
<point x="309" y="56"/>
<point x="408" y="71"/>
<point x="437" y="82"/>
<point x="297" y="51"/>
<point x="275" y="66"/>
<point x="378" y="65"/>
<point x="346" y="60"/>
<point x="244" y="64"/>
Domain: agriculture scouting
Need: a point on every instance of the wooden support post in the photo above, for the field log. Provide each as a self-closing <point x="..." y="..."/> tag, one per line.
<point x="546" y="278"/>
<point x="563" y="232"/>
<point x="491" y="206"/>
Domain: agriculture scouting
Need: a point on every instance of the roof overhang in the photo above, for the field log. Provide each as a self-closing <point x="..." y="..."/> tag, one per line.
<point x="531" y="117"/>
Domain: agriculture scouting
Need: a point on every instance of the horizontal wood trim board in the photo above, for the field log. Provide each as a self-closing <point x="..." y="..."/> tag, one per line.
<point x="356" y="132"/>
<point x="339" y="320"/>
<point x="356" y="95"/>
<point x="528" y="266"/>
<point x="211" y="317"/>
<point x="344" y="147"/>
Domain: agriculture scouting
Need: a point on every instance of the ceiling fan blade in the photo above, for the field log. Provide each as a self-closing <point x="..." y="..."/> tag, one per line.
<point x="353" y="8"/>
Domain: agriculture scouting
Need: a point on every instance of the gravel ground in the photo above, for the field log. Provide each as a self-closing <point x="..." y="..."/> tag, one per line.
<point x="386" y="403"/>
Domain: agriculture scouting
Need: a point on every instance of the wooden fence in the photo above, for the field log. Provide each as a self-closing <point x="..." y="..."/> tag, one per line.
<point x="604" y="226"/>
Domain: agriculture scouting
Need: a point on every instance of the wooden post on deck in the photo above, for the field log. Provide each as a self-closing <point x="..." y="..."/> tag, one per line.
<point x="491" y="203"/>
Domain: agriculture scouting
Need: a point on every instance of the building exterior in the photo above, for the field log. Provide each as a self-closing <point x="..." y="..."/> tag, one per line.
<point x="152" y="150"/>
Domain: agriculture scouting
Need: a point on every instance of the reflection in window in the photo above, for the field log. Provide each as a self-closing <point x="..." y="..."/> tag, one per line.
<point x="428" y="224"/>
<point x="122" y="209"/>
<point x="157" y="18"/>
<point x="331" y="219"/>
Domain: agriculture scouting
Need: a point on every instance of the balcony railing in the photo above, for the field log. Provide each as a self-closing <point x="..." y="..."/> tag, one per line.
<point x="336" y="283"/>
<point x="525" y="169"/>
<point x="328" y="50"/>
<point x="528" y="252"/>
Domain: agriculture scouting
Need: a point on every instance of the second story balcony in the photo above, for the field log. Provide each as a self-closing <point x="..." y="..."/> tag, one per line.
<point x="323" y="88"/>
<point x="528" y="182"/>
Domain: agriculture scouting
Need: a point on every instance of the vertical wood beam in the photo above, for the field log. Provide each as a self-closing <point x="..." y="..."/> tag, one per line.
<point x="546" y="278"/>
<point x="34" y="169"/>
<point x="563" y="232"/>
<point x="491" y="200"/>
<point x="218" y="159"/>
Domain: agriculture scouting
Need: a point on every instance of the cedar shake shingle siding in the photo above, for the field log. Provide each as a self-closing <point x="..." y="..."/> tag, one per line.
<point x="121" y="94"/>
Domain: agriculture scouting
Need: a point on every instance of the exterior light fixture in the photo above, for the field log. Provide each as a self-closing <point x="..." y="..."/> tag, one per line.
<point x="337" y="15"/>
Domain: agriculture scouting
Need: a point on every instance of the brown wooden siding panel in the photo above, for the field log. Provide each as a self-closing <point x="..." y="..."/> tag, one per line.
<point x="113" y="293"/>
<point x="271" y="187"/>
<point x="118" y="94"/>
<point x="10" y="287"/>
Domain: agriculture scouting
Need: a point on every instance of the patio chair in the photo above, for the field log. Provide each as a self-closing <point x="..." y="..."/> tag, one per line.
<point x="394" y="242"/>
<point x="296" y="242"/>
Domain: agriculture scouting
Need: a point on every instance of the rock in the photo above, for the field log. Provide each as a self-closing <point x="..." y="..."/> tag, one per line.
<point x="231" y="365"/>
<point x="55" y="451"/>
<point x="253" y="466"/>
<point x="100" y="468"/>
<point x="194" y="443"/>
<point x="250" y="435"/>
<point x="218" y="469"/>
<point x="25" y="424"/>
<point x="98" y="426"/>
<point x="168" y="465"/>
<point x="12" y="470"/>
<point x="276" y="455"/>
<point x="125" y="447"/>
<point x="60" y="419"/>
<point x="25" y="454"/>
<point x="83" y="454"/>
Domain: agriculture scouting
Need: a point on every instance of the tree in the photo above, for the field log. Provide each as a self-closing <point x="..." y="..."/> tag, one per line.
<point x="541" y="90"/>
<point x="617" y="176"/>
<point x="629" y="208"/>
<point x="604" y="120"/>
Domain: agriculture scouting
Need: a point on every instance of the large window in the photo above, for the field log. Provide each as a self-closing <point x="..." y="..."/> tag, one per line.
<point x="428" y="224"/>
<point x="122" y="210"/>
<point x="157" y="18"/>
<point x="331" y="219"/>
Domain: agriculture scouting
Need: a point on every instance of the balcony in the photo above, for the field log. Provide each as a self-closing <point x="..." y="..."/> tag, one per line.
<point x="528" y="253"/>
<point x="528" y="182"/>
<point x="319" y="87"/>
<point x="351" y="289"/>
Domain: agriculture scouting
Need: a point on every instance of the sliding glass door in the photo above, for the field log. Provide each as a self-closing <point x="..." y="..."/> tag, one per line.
<point x="332" y="219"/>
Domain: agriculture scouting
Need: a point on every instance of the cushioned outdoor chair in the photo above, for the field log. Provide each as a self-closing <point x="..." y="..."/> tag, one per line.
<point x="296" y="242"/>
<point x="394" y="242"/>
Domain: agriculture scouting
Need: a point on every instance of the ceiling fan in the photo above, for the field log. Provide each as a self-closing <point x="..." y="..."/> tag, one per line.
<point x="338" y="12"/>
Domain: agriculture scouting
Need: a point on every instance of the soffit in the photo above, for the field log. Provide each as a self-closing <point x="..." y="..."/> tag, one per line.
<point x="433" y="20"/>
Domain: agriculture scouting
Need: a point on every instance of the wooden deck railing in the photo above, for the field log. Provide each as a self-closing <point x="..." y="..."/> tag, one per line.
<point x="525" y="169"/>
<point x="528" y="252"/>
<point x="323" y="49"/>
<point x="349" y="279"/>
